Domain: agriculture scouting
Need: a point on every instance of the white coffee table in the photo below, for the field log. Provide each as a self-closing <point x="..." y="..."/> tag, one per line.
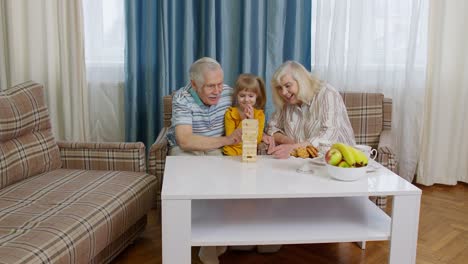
<point x="213" y="201"/>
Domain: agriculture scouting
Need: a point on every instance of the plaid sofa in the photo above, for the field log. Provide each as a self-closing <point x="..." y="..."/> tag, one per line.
<point x="370" y="115"/>
<point x="65" y="202"/>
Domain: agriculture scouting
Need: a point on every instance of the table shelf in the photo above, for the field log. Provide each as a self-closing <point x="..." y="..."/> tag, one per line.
<point x="287" y="221"/>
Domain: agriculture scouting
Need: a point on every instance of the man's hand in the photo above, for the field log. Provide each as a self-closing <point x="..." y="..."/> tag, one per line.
<point x="282" y="151"/>
<point x="235" y="137"/>
<point x="249" y="112"/>
<point x="188" y="141"/>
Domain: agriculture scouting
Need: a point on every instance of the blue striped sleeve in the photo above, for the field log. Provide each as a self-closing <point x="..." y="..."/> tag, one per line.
<point x="181" y="112"/>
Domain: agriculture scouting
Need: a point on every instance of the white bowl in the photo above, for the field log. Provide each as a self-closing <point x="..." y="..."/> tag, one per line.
<point x="346" y="174"/>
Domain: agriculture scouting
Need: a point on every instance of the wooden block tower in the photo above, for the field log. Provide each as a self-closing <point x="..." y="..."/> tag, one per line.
<point x="249" y="140"/>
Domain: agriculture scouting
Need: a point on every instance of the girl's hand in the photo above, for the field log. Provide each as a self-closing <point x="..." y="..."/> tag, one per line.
<point x="248" y="111"/>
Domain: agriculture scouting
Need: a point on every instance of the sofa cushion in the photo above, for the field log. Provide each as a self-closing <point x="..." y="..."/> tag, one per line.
<point x="27" y="146"/>
<point x="69" y="216"/>
<point x="365" y="111"/>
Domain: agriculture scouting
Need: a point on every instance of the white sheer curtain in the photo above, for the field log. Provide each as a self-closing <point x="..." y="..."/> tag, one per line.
<point x="105" y="50"/>
<point x="377" y="46"/>
<point x="444" y="153"/>
<point x="42" y="40"/>
<point x="4" y="72"/>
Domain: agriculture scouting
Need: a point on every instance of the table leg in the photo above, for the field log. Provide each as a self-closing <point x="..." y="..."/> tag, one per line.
<point x="404" y="234"/>
<point x="176" y="231"/>
<point x="362" y="244"/>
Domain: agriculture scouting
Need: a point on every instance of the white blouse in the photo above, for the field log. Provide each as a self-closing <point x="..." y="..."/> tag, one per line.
<point x="323" y="118"/>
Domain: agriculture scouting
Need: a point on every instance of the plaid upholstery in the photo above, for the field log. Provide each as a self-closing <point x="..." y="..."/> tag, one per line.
<point x="53" y="215"/>
<point x="157" y="160"/>
<point x="27" y="146"/>
<point x="103" y="156"/>
<point x="387" y="114"/>
<point x="70" y="216"/>
<point x="386" y="156"/>
<point x="167" y="114"/>
<point x="127" y="238"/>
<point x="370" y="115"/>
<point x="365" y="112"/>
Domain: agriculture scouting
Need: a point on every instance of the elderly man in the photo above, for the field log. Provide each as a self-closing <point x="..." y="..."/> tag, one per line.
<point x="198" y="122"/>
<point x="198" y="112"/>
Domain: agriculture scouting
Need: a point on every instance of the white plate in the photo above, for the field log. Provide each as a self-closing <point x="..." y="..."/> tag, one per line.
<point x="306" y="168"/>
<point x="372" y="166"/>
<point x="319" y="161"/>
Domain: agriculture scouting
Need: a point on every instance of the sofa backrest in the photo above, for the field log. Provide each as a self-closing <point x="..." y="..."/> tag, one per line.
<point x="369" y="113"/>
<point x="27" y="146"/>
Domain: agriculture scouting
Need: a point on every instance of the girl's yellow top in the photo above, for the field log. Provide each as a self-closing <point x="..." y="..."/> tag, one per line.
<point x="232" y="121"/>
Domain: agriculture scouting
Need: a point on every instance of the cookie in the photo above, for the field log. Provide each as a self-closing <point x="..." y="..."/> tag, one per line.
<point x="313" y="151"/>
<point x="293" y="153"/>
<point x="302" y="152"/>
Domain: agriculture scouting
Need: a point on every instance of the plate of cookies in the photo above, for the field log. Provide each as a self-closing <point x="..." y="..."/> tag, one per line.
<point x="310" y="153"/>
<point x="305" y="152"/>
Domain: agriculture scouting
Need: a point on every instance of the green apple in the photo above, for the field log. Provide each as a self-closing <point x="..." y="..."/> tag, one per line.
<point x="333" y="156"/>
<point x="343" y="164"/>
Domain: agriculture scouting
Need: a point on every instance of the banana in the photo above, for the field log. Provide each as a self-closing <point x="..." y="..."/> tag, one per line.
<point x="348" y="154"/>
<point x="360" y="158"/>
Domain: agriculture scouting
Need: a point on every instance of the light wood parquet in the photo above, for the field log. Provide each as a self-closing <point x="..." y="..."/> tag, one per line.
<point x="442" y="239"/>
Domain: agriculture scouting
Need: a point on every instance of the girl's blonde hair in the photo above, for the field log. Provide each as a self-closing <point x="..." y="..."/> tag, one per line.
<point x="307" y="84"/>
<point x="251" y="83"/>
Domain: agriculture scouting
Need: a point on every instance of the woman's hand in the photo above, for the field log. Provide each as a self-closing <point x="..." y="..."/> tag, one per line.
<point x="282" y="151"/>
<point x="269" y="140"/>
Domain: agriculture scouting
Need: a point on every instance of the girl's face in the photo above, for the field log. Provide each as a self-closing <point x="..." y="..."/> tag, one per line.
<point x="288" y="89"/>
<point x="245" y="98"/>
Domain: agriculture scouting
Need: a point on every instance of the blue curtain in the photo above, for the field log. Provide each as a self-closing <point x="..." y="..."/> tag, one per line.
<point x="165" y="37"/>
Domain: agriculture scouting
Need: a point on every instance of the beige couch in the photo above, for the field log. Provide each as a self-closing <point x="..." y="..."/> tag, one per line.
<point x="65" y="202"/>
<point x="370" y="115"/>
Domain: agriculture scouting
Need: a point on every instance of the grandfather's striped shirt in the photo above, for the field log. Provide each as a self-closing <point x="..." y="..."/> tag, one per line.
<point x="323" y="118"/>
<point x="188" y="109"/>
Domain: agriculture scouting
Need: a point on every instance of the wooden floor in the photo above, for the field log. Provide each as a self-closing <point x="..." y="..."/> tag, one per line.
<point x="443" y="238"/>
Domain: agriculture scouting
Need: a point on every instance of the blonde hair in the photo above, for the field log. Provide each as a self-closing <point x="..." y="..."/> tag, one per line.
<point x="308" y="85"/>
<point x="251" y="83"/>
<point x="198" y="68"/>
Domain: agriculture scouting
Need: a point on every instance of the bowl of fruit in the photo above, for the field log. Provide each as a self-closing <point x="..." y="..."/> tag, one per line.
<point x="345" y="163"/>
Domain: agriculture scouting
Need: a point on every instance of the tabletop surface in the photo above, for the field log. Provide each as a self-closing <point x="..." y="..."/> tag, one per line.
<point x="224" y="177"/>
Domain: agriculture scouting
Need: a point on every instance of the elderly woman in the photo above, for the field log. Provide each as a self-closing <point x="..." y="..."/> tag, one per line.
<point x="308" y="110"/>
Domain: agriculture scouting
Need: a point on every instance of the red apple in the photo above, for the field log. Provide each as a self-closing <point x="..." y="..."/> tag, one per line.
<point x="333" y="156"/>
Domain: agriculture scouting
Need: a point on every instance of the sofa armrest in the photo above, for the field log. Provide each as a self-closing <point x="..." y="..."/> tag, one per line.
<point x="386" y="155"/>
<point x="157" y="158"/>
<point x="103" y="156"/>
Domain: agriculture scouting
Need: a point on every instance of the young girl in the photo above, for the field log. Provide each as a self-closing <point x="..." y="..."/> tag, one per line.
<point x="249" y="100"/>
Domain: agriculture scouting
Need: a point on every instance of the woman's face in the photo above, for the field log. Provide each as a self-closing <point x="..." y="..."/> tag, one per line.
<point x="288" y="89"/>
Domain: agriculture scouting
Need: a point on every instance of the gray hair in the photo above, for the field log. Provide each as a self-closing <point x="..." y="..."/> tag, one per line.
<point x="199" y="67"/>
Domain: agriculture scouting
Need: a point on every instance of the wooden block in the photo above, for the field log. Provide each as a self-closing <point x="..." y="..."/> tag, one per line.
<point x="249" y="140"/>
